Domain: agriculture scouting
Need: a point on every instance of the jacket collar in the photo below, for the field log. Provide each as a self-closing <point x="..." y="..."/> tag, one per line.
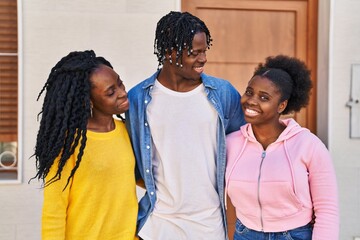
<point x="207" y="80"/>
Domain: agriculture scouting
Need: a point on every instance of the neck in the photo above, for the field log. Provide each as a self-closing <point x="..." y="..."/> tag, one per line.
<point x="267" y="134"/>
<point x="175" y="82"/>
<point x="101" y="124"/>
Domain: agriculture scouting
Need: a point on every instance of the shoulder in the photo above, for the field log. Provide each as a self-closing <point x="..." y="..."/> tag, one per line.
<point x="217" y="83"/>
<point x="305" y="136"/>
<point x="234" y="144"/>
<point x="142" y="86"/>
<point x="307" y="143"/>
<point x="234" y="137"/>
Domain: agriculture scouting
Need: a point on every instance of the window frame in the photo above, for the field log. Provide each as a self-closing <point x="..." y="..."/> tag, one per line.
<point x="19" y="178"/>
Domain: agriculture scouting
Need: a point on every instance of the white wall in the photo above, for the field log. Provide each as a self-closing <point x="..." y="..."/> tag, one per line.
<point x="344" y="50"/>
<point x="120" y="30"/>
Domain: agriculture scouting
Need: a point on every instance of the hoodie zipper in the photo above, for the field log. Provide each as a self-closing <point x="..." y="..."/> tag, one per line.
<point x="258" y="190"/>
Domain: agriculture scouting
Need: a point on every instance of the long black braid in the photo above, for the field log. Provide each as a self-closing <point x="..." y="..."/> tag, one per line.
<point x="176" y="30"/>
<point x="65" y="113"/>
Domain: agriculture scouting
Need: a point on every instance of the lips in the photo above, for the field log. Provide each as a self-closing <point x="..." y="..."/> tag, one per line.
<point x="124" y="104"/>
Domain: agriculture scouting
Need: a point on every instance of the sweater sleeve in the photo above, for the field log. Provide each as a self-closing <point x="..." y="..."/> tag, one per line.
<point x="324" y="193"/>
<point x="55" y="204"/>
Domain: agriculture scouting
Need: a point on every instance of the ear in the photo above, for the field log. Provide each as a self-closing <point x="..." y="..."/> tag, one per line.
<point x="282" y="106"/>
<point x="170" y="57"/>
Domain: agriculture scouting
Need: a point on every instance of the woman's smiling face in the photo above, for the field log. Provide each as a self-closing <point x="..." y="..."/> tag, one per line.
<point x="261" y="101"/>
<point x="108" y="94"/>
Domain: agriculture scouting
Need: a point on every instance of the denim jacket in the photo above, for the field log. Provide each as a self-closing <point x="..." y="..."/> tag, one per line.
<point x="225" y="99"/>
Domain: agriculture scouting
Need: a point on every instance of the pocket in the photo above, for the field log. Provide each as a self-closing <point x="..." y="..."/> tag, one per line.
<point x="240" y="228"/>
<point x="243" y="195"/>
<point x="300" y="233"/>
<point x="279" y="199"/>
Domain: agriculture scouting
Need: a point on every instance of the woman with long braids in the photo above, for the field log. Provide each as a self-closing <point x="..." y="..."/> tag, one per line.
<point x="84" y="155"/>
<point x="280" y="176"/>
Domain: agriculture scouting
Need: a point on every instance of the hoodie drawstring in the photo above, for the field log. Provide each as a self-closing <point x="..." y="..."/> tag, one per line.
<point x="290" y="166"/>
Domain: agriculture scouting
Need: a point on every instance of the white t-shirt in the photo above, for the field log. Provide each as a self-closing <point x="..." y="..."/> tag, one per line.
<point x="183" y="127"/>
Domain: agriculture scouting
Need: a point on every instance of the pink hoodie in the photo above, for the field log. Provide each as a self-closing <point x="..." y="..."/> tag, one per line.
<point x="280" y="188"/>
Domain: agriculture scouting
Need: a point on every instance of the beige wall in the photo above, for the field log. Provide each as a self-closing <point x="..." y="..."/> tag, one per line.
<point x="120" y="30"/>
<point x="344" y="51"/>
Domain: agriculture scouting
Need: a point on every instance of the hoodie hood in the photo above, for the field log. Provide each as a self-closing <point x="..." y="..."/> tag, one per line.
<point x="292" y="129"/>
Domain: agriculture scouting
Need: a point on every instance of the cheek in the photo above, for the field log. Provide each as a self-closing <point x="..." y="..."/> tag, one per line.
<point x="243" y="99"/>
<point x="103" y="103"/>
<point x="187" y="62"/>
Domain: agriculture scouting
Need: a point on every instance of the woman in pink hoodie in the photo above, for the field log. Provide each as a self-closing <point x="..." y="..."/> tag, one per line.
<point x="280" y="176"/>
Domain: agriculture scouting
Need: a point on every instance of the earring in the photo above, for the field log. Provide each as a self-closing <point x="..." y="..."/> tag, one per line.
<point x="91" y="110"/>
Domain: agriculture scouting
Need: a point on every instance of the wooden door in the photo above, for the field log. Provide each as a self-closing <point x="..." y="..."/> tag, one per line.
<point x="245" y="32"/>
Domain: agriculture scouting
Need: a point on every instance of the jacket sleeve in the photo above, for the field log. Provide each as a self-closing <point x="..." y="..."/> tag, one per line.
<point x="132" y="126"/>
<point x="324" y="193"/>
<point x="56" y="201"/>
<point x="234" y="111"/>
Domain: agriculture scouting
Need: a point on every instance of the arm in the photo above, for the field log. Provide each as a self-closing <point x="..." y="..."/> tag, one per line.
<point x="230" y="217"/>
<point x="131" y="123"/>
<point x="323" y="187"/>
<point x="140" y="183"/>
<point x="235" y="113"/>
<point x="55" y="205"/>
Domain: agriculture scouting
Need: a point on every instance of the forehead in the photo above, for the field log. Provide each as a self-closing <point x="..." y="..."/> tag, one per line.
<point x="103" y="75"/>
<point x="199" y="41"/>
<point x="263" y="84"/>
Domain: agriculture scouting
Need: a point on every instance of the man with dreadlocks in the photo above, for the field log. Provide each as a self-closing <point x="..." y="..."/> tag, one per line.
<point x="178" y="119"/>
<point x="89" y="187"/>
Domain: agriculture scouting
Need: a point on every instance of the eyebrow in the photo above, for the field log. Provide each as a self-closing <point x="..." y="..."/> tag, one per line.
<point x="263" y="92"/>
<point x="260" y="92"/>
<point x="112" y="86"/>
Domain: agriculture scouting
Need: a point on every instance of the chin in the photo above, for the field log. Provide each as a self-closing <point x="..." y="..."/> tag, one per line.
<point x="250" y="120"/>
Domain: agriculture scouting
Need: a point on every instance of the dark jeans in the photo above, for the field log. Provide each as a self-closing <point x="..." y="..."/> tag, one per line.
<point x="300" y="233"/>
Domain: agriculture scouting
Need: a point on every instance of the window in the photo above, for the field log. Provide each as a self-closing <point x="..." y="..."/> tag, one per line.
<point x="9" y="97"/>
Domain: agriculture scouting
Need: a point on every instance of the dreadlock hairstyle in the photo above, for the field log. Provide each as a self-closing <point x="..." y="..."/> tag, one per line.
<point x="292" y="78"/>
<point x="176" y="30"/>
<point x="65" y="112"/>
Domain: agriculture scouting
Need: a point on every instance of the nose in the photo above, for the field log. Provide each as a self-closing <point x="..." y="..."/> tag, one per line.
<point x="202" y="57"/>
<point x="122" y="93"/>
<point x="250" y="100"/>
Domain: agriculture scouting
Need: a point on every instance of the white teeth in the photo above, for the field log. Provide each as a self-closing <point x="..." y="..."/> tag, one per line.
<point x="251" y="111"/>
<point x="199" y="69"/>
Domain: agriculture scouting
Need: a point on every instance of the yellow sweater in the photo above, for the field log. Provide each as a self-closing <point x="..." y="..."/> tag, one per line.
<point x="100" y="202"/>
